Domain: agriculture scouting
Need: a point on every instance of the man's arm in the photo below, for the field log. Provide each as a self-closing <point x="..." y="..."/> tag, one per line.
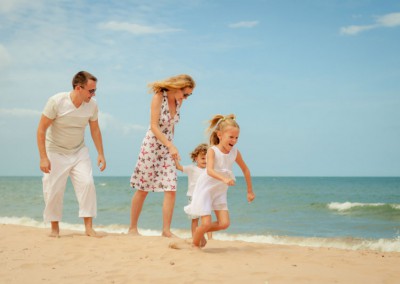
<point x="98" y="142"/>
<point x="44" y="123"/>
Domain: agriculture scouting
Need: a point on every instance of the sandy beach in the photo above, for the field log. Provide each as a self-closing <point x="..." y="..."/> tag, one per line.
<point x="28" y="255"/>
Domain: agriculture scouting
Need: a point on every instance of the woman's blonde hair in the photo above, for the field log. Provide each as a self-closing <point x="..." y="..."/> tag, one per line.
<point x="200" y="149"/>
<point x="175" y="82"/>
<point x="218" y="123"/>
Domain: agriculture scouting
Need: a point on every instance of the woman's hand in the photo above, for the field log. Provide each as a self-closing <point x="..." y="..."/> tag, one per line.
<point x="174" y="152"/>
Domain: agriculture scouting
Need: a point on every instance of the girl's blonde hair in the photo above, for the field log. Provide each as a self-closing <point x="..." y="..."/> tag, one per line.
<point x="218" y="123"/>
<point x="200" y="149"/>
<point x="175" y="82"/>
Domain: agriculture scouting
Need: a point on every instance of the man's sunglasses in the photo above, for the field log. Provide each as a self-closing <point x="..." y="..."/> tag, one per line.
<point x="91" y="91"/>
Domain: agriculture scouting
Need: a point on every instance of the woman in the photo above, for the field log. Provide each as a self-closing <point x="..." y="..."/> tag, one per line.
<point x="155" y="169"/>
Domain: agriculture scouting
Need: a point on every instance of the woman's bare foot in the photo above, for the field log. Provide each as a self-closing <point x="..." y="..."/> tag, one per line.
<point x="133" y="232"/>
<point x="168" y="235"/>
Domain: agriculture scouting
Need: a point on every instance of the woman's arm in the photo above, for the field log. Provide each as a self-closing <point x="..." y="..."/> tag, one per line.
<point x="155" y="112"/>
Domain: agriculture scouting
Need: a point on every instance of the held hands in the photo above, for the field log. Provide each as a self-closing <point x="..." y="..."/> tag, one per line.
<point x="45" y="165"/>
<point x="174" y="152"/>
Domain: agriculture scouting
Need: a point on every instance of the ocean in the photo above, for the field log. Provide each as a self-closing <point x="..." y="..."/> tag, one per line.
<point x="339" y="212"/>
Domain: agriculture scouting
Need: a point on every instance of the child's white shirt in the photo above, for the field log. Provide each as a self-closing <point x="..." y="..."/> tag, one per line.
<point x="193" y="173"/>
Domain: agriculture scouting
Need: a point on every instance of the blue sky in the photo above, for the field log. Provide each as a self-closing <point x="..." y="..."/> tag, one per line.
<point x="314" y="84"/>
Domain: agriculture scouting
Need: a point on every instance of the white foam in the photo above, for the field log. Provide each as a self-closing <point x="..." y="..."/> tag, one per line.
<point x="383" y="245"/>
<point x="349" y="205"/>
<point x="396" y="206"/>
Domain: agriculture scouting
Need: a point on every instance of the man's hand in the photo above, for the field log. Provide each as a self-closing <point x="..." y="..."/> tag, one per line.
<point x="45" y="165"/>
<point x="101" y="162"/>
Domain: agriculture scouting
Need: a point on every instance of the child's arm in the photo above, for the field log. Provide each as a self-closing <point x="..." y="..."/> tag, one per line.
<point x="247" y="176"/>
<point x="178" y="165"/>
<point x="212" y="173"/>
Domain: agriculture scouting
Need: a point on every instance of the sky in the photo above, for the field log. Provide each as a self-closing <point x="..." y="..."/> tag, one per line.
<point x="314" y="84"/>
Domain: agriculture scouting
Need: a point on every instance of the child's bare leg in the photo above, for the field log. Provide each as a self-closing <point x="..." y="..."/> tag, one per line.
<point x="223" y="221"/>
<point x="195" y="223"/>
<point x="209" y="235"/>
<point x="55" y="230"/>
<point x="204" y="227"/>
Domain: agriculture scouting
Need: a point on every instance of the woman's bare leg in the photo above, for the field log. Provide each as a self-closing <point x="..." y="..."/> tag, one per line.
<point x="168" y="211"/>
<point x="136" y="208"/>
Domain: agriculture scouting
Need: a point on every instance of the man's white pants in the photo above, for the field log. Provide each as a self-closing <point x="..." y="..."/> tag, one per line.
<point x="78" y="167"/>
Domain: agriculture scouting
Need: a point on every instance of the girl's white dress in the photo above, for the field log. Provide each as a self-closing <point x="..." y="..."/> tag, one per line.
<point x="211" y="194"/>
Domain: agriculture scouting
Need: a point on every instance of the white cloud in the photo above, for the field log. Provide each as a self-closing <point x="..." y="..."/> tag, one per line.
<point x="387" y="21"/>
<point x="352" y="30"/>
<point x="5" y="57"/>
<point x="107" y="121"/>
<point x="7" y="6"/>
<point x="19" y="112"/>
<point x="11" y="6"/>
<point x="244" y="24"/>
<point x="135" y="28"/>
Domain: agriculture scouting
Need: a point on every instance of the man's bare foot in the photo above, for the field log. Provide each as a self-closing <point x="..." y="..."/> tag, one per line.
<point x="54" y="234"/>
<point x="55" y="229"/>
<point x="92" y="233"/>
<point x="168" y="235"/>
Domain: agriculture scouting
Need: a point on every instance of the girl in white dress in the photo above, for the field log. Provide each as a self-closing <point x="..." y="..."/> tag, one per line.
<point x="210" y="193"/>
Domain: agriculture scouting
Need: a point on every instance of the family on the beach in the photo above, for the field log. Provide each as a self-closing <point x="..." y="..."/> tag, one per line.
<point x="63" y="154"/>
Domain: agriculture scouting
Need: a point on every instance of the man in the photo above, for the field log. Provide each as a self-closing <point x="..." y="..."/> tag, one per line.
<point x="63" y="153"/>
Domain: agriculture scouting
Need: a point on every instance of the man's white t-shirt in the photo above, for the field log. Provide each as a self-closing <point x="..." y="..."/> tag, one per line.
<point x="193" y="173"/>
<point x="67" y="131"/>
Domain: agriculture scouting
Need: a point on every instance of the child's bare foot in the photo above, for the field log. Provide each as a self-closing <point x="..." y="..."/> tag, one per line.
<point x="203" y="242"/>
<point x="183" y="244"/>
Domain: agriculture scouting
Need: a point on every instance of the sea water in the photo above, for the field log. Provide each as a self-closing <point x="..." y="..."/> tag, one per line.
<point x="341" y="212"/>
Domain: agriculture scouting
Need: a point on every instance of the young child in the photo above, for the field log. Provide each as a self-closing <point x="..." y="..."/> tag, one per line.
<point x="198" y="156"/>
<point x="211" y="189"/>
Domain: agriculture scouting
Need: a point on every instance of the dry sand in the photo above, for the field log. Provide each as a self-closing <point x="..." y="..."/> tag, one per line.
<point x="28" y="255"/>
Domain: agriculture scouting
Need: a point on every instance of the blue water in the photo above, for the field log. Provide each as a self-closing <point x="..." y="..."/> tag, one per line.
<point x="360" y="212"/>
